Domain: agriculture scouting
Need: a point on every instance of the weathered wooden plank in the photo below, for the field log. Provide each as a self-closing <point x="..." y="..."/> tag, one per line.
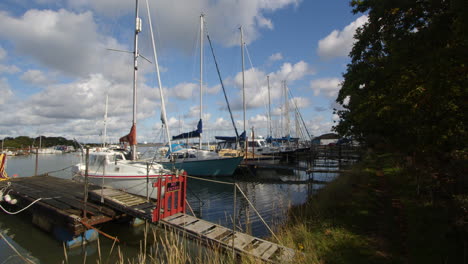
<point x="259" y="249"/>
<point x="241" y="240"/>
<point x="270" y="251"/>
<point x="199" y="226"/>
<point x="182" y="220"/>
<point x="216" y="232"/>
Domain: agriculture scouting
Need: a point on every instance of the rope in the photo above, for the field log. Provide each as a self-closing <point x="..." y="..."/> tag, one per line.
<point x="243" y="194"/>
<point x="190" y="207"/>
<point x="202" y="179"/>
<point x="253" y="207"/>
<point x="21" y="210"/>
<point x="196" y="196"/>
<point x="59" y="170"/>
<point x="15" y="250"/>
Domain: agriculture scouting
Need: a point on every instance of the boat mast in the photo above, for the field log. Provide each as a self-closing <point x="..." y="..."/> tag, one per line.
<point x="135" y="70"/>
<point x="105" y="123"/>
<point x="201" y="75"/>
<point x="156" y="64"/>
<point x="286" y="109"/>
<point x="243" y="76"/>
<point x="269" y="107"/>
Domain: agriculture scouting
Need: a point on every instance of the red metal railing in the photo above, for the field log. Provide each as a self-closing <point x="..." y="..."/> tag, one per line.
<point x="172" y="191"/>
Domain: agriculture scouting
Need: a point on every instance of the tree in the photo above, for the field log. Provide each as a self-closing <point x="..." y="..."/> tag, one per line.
<point x="408" y="77"/>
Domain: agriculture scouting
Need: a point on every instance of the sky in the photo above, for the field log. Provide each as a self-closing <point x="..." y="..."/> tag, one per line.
<point x="56" y="66"/>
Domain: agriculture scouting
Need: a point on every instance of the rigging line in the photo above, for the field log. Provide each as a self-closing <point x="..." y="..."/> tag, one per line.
<point x="194" y="50"/>
<point x="15" y="250"/>
<point x="59" y="170"/>
<point x="300" y="115"/>
<point x="256" y="79"/>
<point x="222" y="85"/>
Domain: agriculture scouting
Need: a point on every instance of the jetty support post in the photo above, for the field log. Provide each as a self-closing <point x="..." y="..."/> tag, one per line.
<point x="147" y="181"/>
<point x="86" y="184"/>
<point x="37" y="161"/>
<point x="234" y="220"/>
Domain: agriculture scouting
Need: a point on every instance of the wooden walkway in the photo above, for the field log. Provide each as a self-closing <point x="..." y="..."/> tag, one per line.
<point x="61" y="202"/>
<point x="221" y="236"/>
<point x="136" y="206"/>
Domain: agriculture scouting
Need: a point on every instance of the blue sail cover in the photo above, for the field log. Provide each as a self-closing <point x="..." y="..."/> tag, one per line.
<point x="283" y="139"/>
<point x="193" y="134"/>
<point x="232" y="139"/>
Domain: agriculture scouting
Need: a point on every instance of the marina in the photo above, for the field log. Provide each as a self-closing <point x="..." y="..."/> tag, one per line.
<point x="206" y="205"/>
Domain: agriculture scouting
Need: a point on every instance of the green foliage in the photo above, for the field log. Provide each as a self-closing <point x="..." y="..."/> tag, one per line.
<point x="408" y="78"/>
<point x="25" y="142"/>
<point x="355" y="219"/>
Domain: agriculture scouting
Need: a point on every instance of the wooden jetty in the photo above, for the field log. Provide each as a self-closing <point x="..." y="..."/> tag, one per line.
<point x="215" y="234"/>
<point x="60" y="201"/>
<point x="57" y="206"/>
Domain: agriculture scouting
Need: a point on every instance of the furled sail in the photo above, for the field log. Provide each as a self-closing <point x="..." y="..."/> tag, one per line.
<point x="232" y="139"/>
<point x="131" y="137"/>
<point x="193" y="134"/>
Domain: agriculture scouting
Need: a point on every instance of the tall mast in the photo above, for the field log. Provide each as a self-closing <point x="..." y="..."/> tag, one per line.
<point x="286" y="109"/>
<point x="156" y="65"/>
<point x="105" y="123"/>
<point x="135" y="70"/>
<point x="243" y="77"/>
<point x="269" y="106"/>
<point x="201" y="75"/>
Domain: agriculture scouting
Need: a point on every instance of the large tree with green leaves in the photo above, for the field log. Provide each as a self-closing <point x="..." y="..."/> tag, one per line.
<point x="407" y="81"/>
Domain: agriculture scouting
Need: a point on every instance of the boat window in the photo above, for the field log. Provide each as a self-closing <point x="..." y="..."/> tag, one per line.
<point x="97" y="160"/>
<point x="192" y="156"/>
<point x="254" y="144"/>
<point x="119" y="157"/>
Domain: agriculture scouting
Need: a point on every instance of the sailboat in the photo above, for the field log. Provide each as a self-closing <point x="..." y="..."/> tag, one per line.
<point x="112" y="168"/>
<point x="198" y="162"/>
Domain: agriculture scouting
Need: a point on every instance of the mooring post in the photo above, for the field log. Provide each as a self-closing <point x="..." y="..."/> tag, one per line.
<point x="37" y="161"/>
<point x="147" y="181"/>
<point x="86" y="184"/>
<point x="234" y="220"/>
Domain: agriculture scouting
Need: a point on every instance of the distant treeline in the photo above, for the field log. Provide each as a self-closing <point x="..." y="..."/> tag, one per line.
<point x="25" y="142"/>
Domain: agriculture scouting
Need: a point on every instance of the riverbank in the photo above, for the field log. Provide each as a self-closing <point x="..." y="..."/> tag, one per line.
<point x="380" y="212"/>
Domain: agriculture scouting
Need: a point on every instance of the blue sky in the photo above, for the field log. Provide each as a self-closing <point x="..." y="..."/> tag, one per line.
<point x="55" y="69"/>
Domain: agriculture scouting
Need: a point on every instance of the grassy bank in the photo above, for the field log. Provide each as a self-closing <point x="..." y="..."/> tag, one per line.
<point x="380" y="212"/>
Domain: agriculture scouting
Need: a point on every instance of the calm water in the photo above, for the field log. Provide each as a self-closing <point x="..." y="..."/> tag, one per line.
<point x="272" y="191"/>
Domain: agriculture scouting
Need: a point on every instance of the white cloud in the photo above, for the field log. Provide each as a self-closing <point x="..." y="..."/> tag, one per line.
<point x="9" y="69"/>
<point x="36" y="77"/>
<point x="218" y="14"/>
<point x="5" y="91"/>
<point x="64" y="41"/>
<point x="328" y="86"/>
<point x="3" y="53"/>
<point x="275" y="57"/>
<point x="185" y="90"/>
<point x="346" y="100"/>
<point x="339" y="43"/>
<point x="256" y="87"/>
<point x="264" y="22"/>
<point x="300" y="102"/>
